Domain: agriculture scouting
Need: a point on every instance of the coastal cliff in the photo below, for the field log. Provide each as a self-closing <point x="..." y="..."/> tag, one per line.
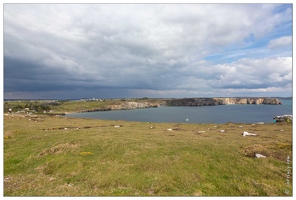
<point x="126" y="106"/>
<point x="191" y="102"/>
<point x="220" y="101"/>
<point x="226" y="101"/>
<point x="133" y="105"/>
<point x="185" y="102"/>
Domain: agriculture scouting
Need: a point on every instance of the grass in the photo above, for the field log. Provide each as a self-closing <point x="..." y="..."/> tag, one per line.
<point x="65" y="106"/>
<point x="59" y="156"/>
<point x="59" y="106"/>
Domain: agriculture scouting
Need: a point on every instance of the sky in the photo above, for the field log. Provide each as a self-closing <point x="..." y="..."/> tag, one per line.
<point x="72" y="51"/>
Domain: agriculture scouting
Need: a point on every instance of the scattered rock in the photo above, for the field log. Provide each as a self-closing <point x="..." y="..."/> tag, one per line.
<point x="247" y="134"/>
<point x="116" y="126"/>
<point x="253" y="149"/>
<point x="201" y="131"/>
<point x="257" y="155"/>
<point x="169" y="129"/>
<point x="222" y="131"/>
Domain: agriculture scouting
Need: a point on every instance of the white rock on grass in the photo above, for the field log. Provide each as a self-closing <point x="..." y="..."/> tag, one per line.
<point x="248" y="134"/>
<point x="257" y="155"/>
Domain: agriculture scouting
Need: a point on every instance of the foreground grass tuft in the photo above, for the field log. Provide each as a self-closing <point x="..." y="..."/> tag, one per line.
<point x="59" y="156"/>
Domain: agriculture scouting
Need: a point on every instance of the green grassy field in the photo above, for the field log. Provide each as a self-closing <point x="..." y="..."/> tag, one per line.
<point x="59" y="156"/>
<point x="58" y="106"/>
<point x="68" y="106"/>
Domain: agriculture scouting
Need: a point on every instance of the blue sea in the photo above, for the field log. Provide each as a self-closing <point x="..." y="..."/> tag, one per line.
<point x="202" y="114"/>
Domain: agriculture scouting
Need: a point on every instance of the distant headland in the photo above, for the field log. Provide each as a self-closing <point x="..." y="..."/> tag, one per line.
<point x="153" y="103"/>
<point x="221" y="101"/>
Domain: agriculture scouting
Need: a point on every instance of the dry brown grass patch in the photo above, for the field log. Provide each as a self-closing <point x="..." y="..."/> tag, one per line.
<point x="251" y="150"/>
<point x="60" y="148"/>
<point x="278" y="150"/>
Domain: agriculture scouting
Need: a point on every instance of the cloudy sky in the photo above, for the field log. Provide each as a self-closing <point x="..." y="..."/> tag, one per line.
<point x="64" y="51"/>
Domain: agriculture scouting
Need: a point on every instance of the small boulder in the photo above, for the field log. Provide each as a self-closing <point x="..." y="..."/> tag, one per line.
<point x="248" y="134"/>
<point x="257" y="155"/>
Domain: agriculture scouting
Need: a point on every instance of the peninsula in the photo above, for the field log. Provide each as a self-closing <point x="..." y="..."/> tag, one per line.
<point x="220" y="101"/>
<point x="193" y="102"/>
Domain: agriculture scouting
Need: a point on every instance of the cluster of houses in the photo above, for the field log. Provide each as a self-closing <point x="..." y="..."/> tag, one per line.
<point x="93" y="99"/>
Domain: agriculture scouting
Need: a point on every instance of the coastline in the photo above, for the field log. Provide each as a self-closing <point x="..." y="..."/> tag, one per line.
<point x="65" y="107"/>
<point x="184" y="102"/>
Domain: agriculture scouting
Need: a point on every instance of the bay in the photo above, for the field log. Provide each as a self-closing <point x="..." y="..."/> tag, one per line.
<point x="202" y="114"/>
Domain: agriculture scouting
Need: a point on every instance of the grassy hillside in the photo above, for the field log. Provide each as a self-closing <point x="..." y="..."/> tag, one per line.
<point x="65" y="106"/>
<point x="59" y="156"/>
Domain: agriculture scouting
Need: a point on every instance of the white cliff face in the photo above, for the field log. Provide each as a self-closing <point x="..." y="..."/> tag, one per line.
<point x="259" y="101"/>
<point x="230" y="100"/>
<point x="134" y="105"/>
<point x="242" y="101"/>
<point x="226" y="101"/>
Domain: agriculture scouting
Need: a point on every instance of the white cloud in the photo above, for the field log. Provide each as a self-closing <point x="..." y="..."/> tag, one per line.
<point x="280" y="42"/>
<point x="254" y="73"/>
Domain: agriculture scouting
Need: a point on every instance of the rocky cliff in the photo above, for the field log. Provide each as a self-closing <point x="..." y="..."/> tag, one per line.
<point x="186" y="102"/>
<point x="220" y="101"/>
<point x="125" y="106"/>
<point x="225" y="101"/>
<point x="132" y="105"/>
<point x="191" y="102"/>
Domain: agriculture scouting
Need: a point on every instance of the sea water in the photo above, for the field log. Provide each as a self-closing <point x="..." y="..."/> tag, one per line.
<point x="201" y="114"/>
